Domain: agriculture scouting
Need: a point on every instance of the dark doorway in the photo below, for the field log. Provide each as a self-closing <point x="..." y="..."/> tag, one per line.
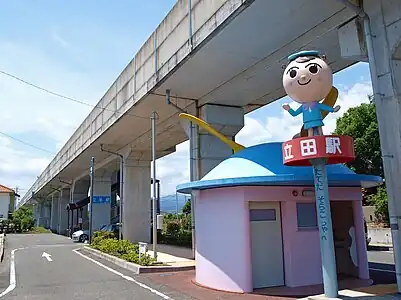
<point x="344" y="239"/>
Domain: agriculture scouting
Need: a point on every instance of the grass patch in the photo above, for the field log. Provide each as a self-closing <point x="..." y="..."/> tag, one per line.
<point x="39" y="229"/>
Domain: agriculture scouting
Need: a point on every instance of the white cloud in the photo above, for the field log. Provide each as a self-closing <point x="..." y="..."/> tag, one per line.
<point x="61" y="41"/>
<point x="173" y="169"/>
<point x="30" y="112"/>
<point x="247" y="136"/>
<point x="17" y="167"/>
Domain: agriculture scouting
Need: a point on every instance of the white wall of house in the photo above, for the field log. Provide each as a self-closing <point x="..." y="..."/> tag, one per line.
<point x="369" y="214"/>
<point x="4" y="205"/>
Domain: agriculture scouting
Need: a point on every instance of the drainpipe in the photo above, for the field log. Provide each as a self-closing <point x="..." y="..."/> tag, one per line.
<point x="190" y="25"/>
<point x="194" y="166"/>
<point x="392" y="208"/>
<point x="197" y="171"/>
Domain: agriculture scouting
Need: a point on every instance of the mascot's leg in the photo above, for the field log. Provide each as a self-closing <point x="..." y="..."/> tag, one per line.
<point x="315" y="131"/>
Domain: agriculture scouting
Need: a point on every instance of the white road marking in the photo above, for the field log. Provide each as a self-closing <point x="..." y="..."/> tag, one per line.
<point x="47" y="255"/>
<point x="13" y="281"/>
<point x="125" y="276"/>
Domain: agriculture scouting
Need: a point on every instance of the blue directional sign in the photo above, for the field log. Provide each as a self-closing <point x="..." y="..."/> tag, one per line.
<point x="101" y="199"/>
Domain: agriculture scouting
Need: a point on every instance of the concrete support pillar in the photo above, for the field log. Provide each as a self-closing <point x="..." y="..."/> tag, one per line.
<point x="227" y="120"/>
<point x="54" y="214"/>
<point x="63" y="214"/>
<point x="46" y="214"/>
<point x="80" y="189"/>
<point x="101" y="209"/>
<point x="385" y="66"/>
<point x="206" y="150"/>
<point x="42" y="213"/>
<point x="38" y="213"/>
<point x="136" y="202"/>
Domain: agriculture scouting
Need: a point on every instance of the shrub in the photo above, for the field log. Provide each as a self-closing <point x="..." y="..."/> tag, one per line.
<point x="109" y="246"/>
<point x="99" y="236"/>
<point x="177" y="232"/>
<point x="131" y="257"/>
<point x="23" y="218"/>
<point x="104" y="234"/>
<point x="123" y="249"/>
<point x="186" y="222"/>
<point x="380" y="201"/>
<point x="39" y="229"/>
<point x="173" y="227"/>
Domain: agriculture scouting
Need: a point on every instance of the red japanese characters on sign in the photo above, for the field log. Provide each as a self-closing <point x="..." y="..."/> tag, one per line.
<point x="335" y="148"/>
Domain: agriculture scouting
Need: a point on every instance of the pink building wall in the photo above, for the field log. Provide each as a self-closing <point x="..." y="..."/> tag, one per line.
<point x="301" y="250"/>
<point x="222" y="240"/>
<point x="222" y="222"/>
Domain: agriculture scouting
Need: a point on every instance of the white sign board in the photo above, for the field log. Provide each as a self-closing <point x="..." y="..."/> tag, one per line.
<point x="142" y="247"/>
<point x="159" y="220"/>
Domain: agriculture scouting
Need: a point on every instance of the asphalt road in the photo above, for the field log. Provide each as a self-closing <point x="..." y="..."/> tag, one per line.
<point x="381" y="267"/>
<point x="68" y="275"/>
<point x="72" y="274"/>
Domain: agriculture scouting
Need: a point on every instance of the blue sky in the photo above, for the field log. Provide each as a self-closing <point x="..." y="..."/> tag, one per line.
<point x="78" y="48"/>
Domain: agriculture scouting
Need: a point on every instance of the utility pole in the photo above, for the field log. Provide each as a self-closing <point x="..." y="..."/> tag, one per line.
<point x="154" y="227"/>
<point x="92" y="180"/>
<point x="120" y="225"/>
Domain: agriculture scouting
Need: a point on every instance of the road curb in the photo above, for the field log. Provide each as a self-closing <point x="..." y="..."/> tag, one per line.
<point x="2" y="240"/>
<point x="380" y="247"/>
<point x="137" y="269"/>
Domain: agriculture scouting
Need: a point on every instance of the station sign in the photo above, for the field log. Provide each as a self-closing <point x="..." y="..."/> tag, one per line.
<point x="334" y="148"/>
<point x="101" y="199"/>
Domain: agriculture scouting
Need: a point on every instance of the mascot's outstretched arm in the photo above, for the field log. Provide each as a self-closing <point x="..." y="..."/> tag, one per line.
<point x="233" y="145"/>
<point x="330" y="100"/>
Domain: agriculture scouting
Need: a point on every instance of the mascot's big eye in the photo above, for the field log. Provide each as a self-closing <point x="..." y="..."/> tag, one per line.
<point x="313" y="69"/>
<point x="293" y="73"/>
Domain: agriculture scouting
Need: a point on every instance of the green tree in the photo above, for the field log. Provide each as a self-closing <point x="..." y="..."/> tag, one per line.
<point x="361" y="123"/>
<point x="24" y="218"/>
<point x="187" y="207"/>
<point x="379" y="200"/>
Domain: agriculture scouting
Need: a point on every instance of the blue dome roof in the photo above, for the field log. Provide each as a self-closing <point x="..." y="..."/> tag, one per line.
<point x="263" y="165"/>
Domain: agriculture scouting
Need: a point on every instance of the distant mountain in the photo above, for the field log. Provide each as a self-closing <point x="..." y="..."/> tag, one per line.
<point x="168" y="204"/>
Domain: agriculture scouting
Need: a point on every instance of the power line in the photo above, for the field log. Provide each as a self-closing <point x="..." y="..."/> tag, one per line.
<point x="64" y="97"/>
<point x="25" y="143"/>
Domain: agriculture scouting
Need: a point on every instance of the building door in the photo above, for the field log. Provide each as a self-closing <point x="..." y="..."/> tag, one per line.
<point x="266" y="244"/>
<point x="342" y="216"/>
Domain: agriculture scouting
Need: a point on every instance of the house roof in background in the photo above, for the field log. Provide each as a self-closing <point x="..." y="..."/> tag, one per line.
<point x="4" y="189"/>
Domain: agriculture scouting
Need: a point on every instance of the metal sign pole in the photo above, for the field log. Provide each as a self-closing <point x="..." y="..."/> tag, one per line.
<point x="154" y="227"/>
<point x="91" y="172"/>
<point x="325" y="228"/>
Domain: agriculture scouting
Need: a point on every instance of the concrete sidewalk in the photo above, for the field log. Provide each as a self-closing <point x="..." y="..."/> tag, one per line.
<point x="172" y="260"/>
<point x="172" y="255"/>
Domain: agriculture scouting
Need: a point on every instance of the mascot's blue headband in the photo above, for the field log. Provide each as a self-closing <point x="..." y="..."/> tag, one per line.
<point x="294" y="56"/>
